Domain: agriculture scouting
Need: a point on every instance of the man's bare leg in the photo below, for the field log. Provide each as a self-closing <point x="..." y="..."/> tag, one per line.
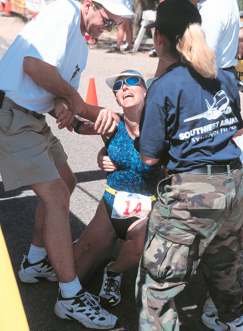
<point x="69" y="178"/>
<point x="55" y="197"/>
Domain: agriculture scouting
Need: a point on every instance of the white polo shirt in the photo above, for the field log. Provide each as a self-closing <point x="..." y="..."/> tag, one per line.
<point x="220" y="22"/>
<point x="54" y="36"/>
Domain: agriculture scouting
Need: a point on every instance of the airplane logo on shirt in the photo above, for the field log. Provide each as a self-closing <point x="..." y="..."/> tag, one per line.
<point x="77" y="69"/>
<point x="219" y="107"/>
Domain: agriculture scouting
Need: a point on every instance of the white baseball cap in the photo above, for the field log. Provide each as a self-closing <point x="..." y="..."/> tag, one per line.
<point x="110" y="81"/>
<point x="116" y="7"/>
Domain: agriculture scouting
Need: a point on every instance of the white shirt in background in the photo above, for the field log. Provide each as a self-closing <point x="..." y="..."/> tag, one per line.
<point x="220" y="22"/>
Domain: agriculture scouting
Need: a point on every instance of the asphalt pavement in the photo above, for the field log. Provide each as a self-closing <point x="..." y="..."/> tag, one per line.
<point x="17" y="207"/>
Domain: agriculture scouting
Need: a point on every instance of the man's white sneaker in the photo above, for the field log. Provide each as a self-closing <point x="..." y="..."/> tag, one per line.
<point x="85" y="309"/>
<point x="33" y="272"/>
<point x="212" y="321"/>
<point x="110" y="290"/>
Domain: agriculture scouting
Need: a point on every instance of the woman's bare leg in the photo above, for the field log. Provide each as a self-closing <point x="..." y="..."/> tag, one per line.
<point x="95" y="242"/>
<point x="131" y="249"/>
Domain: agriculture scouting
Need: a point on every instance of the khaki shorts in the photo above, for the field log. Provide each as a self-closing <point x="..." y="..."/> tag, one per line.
<point x="29" y="153"/>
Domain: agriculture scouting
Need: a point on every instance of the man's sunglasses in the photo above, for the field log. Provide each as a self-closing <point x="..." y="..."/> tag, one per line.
<point x="107" y="22"/>
<point x="130" y="81"/>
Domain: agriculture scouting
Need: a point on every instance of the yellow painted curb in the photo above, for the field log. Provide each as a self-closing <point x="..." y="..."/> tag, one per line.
<point x="12" y="316"/>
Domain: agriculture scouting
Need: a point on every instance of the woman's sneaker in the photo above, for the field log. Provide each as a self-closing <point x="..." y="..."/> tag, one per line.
<point x="33" y="272"/>
<point x="110" y="290"/>
<point x="85" y="309"/>
<point x="212" y="322"/>
<point x="209" y="306"/>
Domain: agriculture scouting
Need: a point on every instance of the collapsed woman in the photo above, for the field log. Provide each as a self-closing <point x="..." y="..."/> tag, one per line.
<point x="129" y="193"/>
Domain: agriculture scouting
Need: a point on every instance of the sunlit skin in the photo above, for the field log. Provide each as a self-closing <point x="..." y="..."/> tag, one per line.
<point x="131" y="99"/>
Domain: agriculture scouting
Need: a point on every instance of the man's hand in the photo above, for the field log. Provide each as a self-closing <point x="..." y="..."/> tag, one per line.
<point x="106" y="122"/>
<point x="104" y="162"/>
<point x="64" y="115"/>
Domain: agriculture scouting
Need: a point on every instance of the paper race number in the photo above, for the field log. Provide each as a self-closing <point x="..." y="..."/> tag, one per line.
<point x="128" y="205"/>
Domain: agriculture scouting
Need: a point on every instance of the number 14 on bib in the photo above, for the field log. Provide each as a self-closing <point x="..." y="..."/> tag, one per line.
<point x="128" y="205"/>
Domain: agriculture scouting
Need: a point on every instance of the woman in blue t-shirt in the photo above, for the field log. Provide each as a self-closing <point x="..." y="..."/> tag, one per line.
<point x="192" y="112"/>
<point x="129" y="193"/>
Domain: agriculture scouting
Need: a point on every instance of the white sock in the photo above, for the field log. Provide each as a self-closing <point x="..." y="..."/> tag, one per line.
<point x="70" y="289"/>
<point x="36" y="253"/>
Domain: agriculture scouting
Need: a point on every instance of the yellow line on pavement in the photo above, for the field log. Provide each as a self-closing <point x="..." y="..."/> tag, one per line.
<point x="12" y="315"/>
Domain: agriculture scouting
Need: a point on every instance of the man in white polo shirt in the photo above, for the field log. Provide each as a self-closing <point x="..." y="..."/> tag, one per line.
<point x="40" y="72"/>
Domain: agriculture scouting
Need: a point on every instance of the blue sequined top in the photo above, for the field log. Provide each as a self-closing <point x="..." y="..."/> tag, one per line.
<point x="132" y="174"/>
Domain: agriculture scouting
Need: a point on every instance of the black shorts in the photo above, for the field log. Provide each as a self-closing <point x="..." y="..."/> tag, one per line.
<point x="120" y="226"/>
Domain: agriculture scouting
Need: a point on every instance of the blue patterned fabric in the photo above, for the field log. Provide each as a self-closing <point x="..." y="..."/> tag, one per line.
<point x="132" y="174"/>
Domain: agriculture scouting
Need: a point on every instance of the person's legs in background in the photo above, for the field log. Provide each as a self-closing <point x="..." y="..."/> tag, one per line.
<point x="129" y="36"/>
<point x="124" y="39"/>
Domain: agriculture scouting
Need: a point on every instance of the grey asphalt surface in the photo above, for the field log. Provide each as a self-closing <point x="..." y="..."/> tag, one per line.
<point x="17" y="207"/>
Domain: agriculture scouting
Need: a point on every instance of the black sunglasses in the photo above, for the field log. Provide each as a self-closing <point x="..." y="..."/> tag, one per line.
<point x="129" y="81"/>
<point x="107" y="22"/>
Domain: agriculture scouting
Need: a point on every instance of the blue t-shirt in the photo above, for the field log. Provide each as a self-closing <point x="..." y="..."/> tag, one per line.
<point x="189" y="120"/>
<point x="132" y="174"/>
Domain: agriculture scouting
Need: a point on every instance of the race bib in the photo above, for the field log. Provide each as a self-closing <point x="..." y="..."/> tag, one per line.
<point x="128" y="205"/>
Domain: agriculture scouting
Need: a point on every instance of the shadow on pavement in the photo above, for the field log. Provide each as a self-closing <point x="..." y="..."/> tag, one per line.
<point x="88" y="176"/>
<point x="17" y="214"/>
<point x="39" y="299"/>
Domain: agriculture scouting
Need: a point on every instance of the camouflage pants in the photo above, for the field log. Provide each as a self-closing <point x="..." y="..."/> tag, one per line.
<point x="197" y="218"/>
